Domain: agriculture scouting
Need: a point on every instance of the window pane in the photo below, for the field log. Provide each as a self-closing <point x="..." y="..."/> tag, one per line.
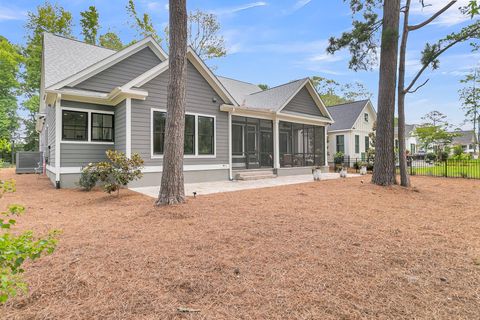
<point x="102" y="127"/>
<point x="367" y="143"/>
<point x="74" y="125"/>
<point x="189" y="144"/>
<point x="205" y="135"/>
<point x="340" y="143"/>
<point x="237" y="139"/>
<point x="357" y="143"/>
<point x="158" y="131"/>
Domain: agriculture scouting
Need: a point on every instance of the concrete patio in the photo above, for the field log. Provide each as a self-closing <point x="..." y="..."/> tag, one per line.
<point x="230" y="186"/>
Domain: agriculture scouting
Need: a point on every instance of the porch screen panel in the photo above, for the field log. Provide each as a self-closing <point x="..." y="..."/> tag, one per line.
<point x="319" y="146"/>
<point x="301" y="145"/>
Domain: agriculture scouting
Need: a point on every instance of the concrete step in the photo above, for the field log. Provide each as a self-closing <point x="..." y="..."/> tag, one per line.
<point x="255" y="175"/>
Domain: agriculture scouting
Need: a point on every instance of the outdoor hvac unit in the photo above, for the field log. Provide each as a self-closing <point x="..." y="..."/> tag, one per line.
<point x="29" y="162"/>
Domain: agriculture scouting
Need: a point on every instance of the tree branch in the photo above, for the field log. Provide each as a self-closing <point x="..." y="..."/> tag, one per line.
<point x="415" y="90"/>
<point x="434" y="57"/>
<point x="438" y="13"/>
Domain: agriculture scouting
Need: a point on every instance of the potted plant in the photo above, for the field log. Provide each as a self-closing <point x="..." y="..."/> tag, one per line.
<point x="317" y="173"/>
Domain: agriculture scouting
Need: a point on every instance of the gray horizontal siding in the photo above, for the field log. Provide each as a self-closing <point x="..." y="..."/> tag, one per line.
<point x="83" y="105"/>
<point x="199" y="100"/>
<point x="122" y="72"/>
<point x="81" y="154"/>
<point x="120" y="127"/>
<point x="302" y="103"/>
<point x="50" y="143"/>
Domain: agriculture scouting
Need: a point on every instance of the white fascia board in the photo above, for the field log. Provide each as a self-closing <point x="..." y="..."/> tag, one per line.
<point x="111" y="99"/>
<point x="110" y="61"/>
<point x="147" y="76"/>
<point x="198" y="64"/>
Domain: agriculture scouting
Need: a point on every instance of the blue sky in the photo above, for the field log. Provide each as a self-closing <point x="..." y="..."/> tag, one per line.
<point x="275" y="41"/>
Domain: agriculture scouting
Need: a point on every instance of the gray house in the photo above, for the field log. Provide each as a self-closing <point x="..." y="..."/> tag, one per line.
<point x="95" y="99"/>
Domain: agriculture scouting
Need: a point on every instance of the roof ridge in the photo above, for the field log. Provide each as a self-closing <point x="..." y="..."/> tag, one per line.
<point x="253" y="84"/>
<point x="342" y="104"/>
<point x="76" y="40"/>
<point x="276" y="87"/>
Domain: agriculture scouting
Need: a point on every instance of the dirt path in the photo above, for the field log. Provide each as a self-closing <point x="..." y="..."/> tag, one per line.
<point x="337" y="249"/>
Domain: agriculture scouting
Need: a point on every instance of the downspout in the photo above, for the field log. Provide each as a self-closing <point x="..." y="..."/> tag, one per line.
<point x="230" y="173"/>
<point x="276" y="145"/>
<point x="58" y="137"/>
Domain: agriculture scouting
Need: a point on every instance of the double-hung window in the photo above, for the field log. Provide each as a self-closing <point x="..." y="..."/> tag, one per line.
<point x="199" y="134"/>
<point x="367" y="143"/>
<point x="74" y="125"/>
<point x="340" y="143"/>
<point x="357" y="143"/>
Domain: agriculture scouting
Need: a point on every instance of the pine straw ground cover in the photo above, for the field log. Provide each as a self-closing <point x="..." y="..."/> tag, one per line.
<point x="326" y="250"/>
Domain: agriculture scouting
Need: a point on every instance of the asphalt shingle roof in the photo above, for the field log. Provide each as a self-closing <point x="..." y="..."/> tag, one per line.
<point x="238" y="89"/>
<point x="65" y="57"/>
<point x="408" y="129"/>
<point x="346" y="114"/>
<point x="465" y="137"/>
<point x="274" y="98"/>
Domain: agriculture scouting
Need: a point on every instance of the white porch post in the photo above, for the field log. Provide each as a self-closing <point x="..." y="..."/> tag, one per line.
<point x="230" y="173"/>
<point x="128" y="127"/>
<point x="58" y="138"/>
<point x="326" y="146"/>
<point x="276" y="144"/>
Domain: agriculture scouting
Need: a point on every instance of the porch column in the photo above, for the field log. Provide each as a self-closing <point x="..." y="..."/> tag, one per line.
<point x="326" y="145"/>
<point x="230" y="174"/>
<point x="128" y="127"/>
<point x="276" y="144"/>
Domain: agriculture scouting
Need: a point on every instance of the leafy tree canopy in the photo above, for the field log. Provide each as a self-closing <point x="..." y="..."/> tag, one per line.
<point x="90" y="24"/>
<point x="333" y="92"/>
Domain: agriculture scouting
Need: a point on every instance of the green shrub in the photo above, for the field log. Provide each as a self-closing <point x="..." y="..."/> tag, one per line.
<point x="457" y="150"/>
<point x="16" y="249"/>
<point x="442" y="155"/>
<point x="114" y="174"/>
<point x="431" y="157"/>
<point x="338" y="158"/>
<point x="88" y="178"/>
<point x="358" y="164"/>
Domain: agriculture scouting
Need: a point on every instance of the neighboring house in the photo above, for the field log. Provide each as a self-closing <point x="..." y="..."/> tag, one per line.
<point x="466" y="139"/>
<point x="95" y="99"/>
<point x="350" y="133"/>
<point x="411" y="144"/>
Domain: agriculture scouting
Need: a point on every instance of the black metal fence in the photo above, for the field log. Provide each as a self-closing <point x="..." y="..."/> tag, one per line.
<point x="450" y="168"/>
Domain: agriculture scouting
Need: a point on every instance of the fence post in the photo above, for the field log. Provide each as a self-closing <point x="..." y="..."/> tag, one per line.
<point x="446" y="168"/>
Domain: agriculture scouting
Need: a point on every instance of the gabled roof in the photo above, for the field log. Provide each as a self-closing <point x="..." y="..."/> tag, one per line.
<point x="409" y="128"/>
<point x="346" y="114"/>
<point x="465" y="137"/>
<point x="65" y="57"/>
<point x="197" y="62"/>
<point x="239" y="89"/>
<point x="94" y="66"/>
<point x="273" y="99"/>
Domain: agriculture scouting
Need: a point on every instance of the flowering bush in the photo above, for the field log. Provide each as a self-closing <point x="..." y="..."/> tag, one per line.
<point x="114" y="174"/>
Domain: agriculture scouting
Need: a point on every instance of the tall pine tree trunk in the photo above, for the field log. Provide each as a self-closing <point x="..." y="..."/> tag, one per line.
<point x="172" y="190"/>
<point x="384" y="170"/>
<point x="402" y="154"/>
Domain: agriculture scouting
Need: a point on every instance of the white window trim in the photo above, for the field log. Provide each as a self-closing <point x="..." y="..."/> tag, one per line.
<point x="190" y="156"/>
<point x="89" y="126"/>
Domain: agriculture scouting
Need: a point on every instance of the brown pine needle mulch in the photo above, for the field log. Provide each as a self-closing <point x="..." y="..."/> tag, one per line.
<point x="326" y="250"/>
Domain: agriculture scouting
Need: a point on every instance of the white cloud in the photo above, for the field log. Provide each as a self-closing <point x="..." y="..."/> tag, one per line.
<point x="451" y="17"/>
<point x="11" y="14"/>
<point x="300" y="4"/>
<point x="325" y="57"/>
<point x="231" y="10"/>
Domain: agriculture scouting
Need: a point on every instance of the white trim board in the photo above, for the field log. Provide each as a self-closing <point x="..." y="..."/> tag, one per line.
<point x="148" y="169"/>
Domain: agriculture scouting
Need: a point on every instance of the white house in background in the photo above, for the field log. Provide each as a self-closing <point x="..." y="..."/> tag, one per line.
<point x="466" y="139"/>
<point x="411" y="143"/>
<point x="349" y="133"/>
